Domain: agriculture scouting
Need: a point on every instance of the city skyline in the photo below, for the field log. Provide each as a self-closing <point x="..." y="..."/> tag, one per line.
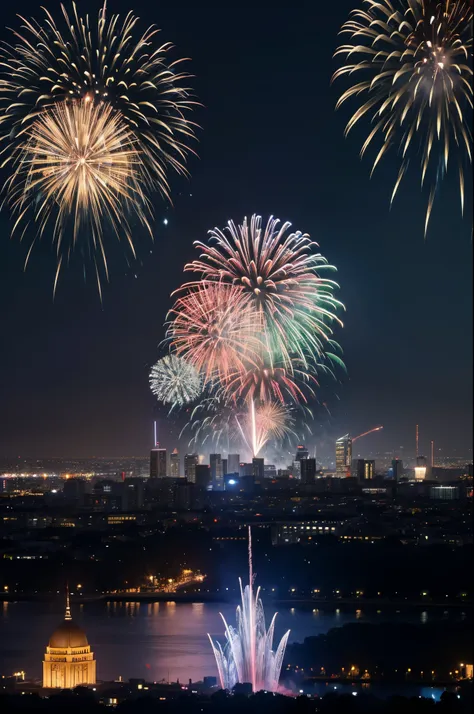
<point x="74" y="372"/>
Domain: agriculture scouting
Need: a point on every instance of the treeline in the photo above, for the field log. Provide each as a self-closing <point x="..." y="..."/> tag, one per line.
<point x="386" y="649"/>
<point x="222" y="703"/>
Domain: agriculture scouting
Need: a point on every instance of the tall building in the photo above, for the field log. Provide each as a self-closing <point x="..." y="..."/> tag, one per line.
<point x="397" y="469"/>
<point x="296" y="469"/>
<point x="301" y="453"/>
<point x="203" y="475"/>
<point x="270" y="471"/>
<point x="343" y="456"/>
<point x="224" y="467"/>
<point x="174" y="464"/>
<point x="132" y="494"/>
<point x="68" y="661"/>
<point x="421" y="468"/>
<point x="190" y="463"/>
<point x="258" y="471"/>
<point x="308" y="470"/>
<point x="363" y="470"/>
<point x="217" y="477"/>
<point x="158" y="463"/>
<point x="233" y="461"/>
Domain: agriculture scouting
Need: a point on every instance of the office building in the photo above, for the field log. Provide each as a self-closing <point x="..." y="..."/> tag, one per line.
<point x="245" y="469"/>
<point x="158" y="463"/>
<point x="301" y="453"/>
<point x="397" y="469"/>
<point x="269" y="471"/>
<point x="190" y="463"/>
<point x="363" y="470"/>
<point x="308" y="470"/>
<point x="343" y="456"/>
<point x="174" y="464"/>
<point x="202" y="475"/>
<point x="233" y="461"/>
<point x="217" y="477"/>
<point x="258" y="469"/>
<point x="296" y="469"/>
<point x="132" y="494"/>
<point x="224" y="467"/>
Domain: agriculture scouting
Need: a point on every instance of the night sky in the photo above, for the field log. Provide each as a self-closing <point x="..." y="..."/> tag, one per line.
<point x="74" y="372"/>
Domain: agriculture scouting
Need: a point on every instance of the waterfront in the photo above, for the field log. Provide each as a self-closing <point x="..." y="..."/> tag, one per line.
<point x="164" y="641"/>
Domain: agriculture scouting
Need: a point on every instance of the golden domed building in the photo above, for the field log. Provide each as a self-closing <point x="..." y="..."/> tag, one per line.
<point x="68" y="661"/>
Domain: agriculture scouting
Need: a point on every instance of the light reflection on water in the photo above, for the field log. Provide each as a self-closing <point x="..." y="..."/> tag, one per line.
<point x="159" y="640"/>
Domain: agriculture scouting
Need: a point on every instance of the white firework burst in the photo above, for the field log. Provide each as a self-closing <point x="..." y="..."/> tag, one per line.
<point x="174" y="381"/>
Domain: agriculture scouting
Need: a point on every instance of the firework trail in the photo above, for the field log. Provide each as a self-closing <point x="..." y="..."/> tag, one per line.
<point x="415" y="62"/>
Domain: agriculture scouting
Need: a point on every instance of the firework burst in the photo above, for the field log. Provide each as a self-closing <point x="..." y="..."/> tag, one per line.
<point x="104" y="58"/>
<point x="78" y="170"/>
<point x="277" y="273"/>
<point x="215" y="330"/>
<point x="416" y="60"/>
<point x="264" y="422"/>
<point x="174" y="381"/>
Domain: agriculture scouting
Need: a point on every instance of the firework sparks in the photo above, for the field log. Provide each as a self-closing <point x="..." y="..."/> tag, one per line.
<point x="174" y="381"/>
<point x="278" y="273"/>
<point x="80" y="161"/>
<point x="264" y="422"/>
<point x="416" y="57"/>
<point x="215" y="330"/>
<point x="103" y="58"/>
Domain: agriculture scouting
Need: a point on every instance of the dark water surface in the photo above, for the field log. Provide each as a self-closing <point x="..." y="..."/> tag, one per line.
<point x="162" y="641"/>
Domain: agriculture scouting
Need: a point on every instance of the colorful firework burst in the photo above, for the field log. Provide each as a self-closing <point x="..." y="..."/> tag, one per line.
<point x="80" y="160"/>
<point x="215" y="330"/>
<point x="174" y="381"/>
<point x="277" y="272"/>
<point x="416" y="58"/>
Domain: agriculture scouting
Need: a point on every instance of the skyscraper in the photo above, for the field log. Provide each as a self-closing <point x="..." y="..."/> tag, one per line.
<point x="158" y="463"/>
<point x="397" y="469"/>
<point x="190" y="463"/>
<point x="203" y="475"/>
<point x="363" y="470"/>
<point x="343" y="456"/>
<point x="308" y="470"/>
<point x="258" y="469"/>
<point x="421" y="468"/>
<point x="301" y="452"/>
<point x="233" y="461"/>
<point x="174" y="464"/>
<point x="217" y="476"/>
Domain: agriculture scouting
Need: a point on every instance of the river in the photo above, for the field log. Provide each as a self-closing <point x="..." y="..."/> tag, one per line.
<point x="161" y="641"/>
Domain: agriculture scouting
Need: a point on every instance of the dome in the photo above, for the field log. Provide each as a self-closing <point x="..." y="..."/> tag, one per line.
<point x="68" y="634"/>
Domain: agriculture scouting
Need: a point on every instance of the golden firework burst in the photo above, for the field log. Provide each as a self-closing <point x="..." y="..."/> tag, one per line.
<point x="79" y="170"/>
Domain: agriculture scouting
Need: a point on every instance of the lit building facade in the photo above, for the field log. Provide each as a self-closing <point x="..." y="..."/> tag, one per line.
<point x="217" y="476"/>
<point x="363" y="469"/>
<point x="174" y="464"/>
<point x="343" y="456"/>
<point x="233" y="461"/>
<point x="68" y="661"/>
<point x="190" y="463"/>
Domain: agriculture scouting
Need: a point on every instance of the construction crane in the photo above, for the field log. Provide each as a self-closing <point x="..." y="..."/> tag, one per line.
<point x="376" y="428"/>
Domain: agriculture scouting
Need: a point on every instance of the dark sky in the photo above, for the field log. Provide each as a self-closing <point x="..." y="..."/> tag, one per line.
<point x="74" y="372"/>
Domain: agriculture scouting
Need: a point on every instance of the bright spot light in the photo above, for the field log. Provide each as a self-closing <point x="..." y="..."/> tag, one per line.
<point x="165" y="221"/>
